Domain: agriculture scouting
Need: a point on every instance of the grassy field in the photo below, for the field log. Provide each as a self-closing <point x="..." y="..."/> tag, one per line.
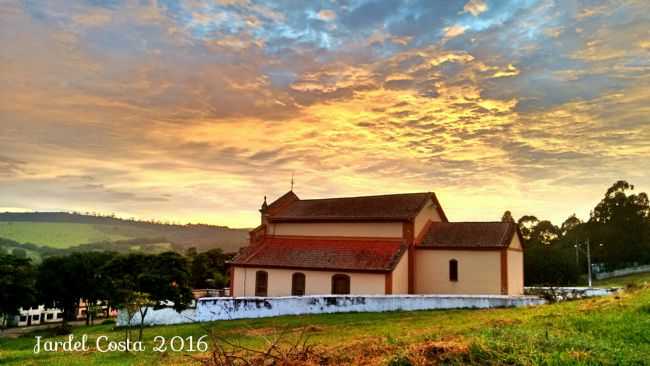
<point x="613" y="330"/>
<point x="624" y="280"/>
<point x="58" y="235"/>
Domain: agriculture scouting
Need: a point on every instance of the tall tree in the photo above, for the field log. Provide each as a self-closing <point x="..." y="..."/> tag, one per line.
<point x="59" y="285"/>
<point x="545" y="261"/>
<point x="93" y="284"/>
<point x="620" y="222"/>
<point x="208" y="269"/>
<point x="507" y="217"/>
<point x="142" y="282"/>
<point x="526" y="224"/>
<point x="16" y="286"/>
<point x="570" y="224"/>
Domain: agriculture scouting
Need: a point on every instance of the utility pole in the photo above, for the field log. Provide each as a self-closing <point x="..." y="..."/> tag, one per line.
<point x="589" y="261"/>
<point x="588" y="254"/>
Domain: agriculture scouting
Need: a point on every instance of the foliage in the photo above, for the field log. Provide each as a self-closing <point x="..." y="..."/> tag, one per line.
<point x="618" y="233"/>
<point x="137" y="282"/>
<point x="507" y="217"/>
<point x="621" y="221"/>
<point x="59" y="285"/>
<point x="208" y="269"/>
<point x="16" y="286"/>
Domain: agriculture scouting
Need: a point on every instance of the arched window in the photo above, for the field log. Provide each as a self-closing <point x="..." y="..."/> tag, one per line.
<point x="261" y="283"/>
<point x="298" y="284"/>
<point x="453" y="270"/>
<point x="340" y="284"/>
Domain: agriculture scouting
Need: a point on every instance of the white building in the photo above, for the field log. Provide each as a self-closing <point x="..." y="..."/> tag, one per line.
<point x="37" y="315"/>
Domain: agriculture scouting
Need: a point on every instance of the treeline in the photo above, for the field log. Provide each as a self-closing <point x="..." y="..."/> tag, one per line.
<point x="134" y="282"/>
<point x="145" y="245"/>
<point x="618" y="232"/>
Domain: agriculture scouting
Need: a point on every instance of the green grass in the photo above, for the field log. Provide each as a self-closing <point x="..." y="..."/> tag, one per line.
<point x="611" y="330"/>
<point x="57" y="235"/>
<point x="637" y="278"/>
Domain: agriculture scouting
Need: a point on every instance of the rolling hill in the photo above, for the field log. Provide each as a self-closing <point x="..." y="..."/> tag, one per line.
<point x="73" y="231"/>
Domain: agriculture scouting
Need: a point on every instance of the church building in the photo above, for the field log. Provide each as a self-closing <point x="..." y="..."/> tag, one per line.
<point x="375" y="245"/>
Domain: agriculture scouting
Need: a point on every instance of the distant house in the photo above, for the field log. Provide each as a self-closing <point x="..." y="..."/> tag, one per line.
<point x="387" y="244"/>
<point x="36" y="315"/>
<point x="40" y="314"/>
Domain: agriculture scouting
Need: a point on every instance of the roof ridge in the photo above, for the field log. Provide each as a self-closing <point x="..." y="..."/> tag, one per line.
<point x="472" y="222"/>
<point x="369" y="196"/>
<point x="332" y="238"/>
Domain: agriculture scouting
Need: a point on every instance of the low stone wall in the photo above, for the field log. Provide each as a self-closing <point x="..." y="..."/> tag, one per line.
<point x="220" y="308"/>
<point x="622" y="272"/>
<point x="158" y="316"/>
<point x="569" y="293"/>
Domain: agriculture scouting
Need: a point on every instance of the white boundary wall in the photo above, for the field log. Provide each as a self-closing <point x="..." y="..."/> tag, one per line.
<point x="226" y="308"/>
<point x="159" y="316"/>
<point x="622" y="272"/>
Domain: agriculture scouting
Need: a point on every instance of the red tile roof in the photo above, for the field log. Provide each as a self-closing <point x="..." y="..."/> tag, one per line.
<point x="392" y="207"/>
<point x="280" y="203"/>
<point x="460" y="235"/>
<point x="339" y="254"/>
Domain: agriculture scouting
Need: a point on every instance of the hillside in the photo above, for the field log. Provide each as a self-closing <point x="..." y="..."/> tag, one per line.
<point x="66" y="230"/>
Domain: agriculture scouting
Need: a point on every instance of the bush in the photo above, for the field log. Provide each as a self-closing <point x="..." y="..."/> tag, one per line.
<point x="108" y="321"/>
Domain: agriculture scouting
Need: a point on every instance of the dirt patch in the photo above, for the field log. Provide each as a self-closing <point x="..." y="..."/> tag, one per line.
<point x="261" y="331"/>
<point x="365" y="352"/>
<point x="313" y="329"/>
<point x="434" y="352"/>
<point x="499" y="323"/>
<point x="378" y="352"/>
<point x="274" y="331"/>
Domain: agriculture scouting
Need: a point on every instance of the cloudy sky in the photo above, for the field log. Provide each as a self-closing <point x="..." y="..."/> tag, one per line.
<point x="193" y="111"/>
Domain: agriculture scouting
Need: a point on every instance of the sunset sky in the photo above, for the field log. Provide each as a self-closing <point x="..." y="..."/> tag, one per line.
<point x="193" y="111"/>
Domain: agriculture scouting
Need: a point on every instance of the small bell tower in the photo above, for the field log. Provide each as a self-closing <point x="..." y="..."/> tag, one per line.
<point x="264" y="212"/>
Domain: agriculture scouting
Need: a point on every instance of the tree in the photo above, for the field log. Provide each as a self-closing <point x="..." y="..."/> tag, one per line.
<point x="546" y="262"/>
<point x="93" y="284"/>
<point x="571" y="223"/>
<point x="16" y="286"/>
<point x="208" y="269"/>
<point x="544" y="233"/>
<point x="145" y="281"/>
<point x="59" y="285"/>
<point x="123" y="280"/>
<point x="507" y="217"/>
<point x="526" y="224"/>
<point x="620" y="221"/>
